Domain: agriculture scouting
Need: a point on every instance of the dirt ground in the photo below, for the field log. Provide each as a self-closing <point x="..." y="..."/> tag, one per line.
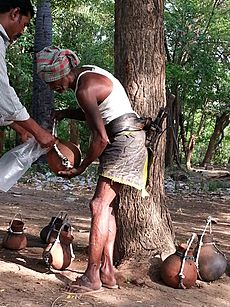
<point x="25" y="281"/>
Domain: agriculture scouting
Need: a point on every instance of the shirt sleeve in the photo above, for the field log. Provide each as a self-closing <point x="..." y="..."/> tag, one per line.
<point x="11" y="108"/>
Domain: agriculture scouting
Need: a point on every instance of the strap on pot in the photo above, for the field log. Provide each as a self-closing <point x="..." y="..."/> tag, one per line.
<point x="46" y="256"/>
<point x="64" y="160"/>
<point x="11" y="222"/>
<point x="59" y="215"/>
<point x="181" y="274"/>
<point x="209" y="223"/>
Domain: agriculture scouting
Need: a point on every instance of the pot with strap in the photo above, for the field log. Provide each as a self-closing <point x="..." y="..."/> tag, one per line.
<point x="210" y="260"/>
<point x="64" y="155"/>
<point x="15" y="239"/>
<point x="59" y="254"/>
<point x="179" y="270"/>
<point x="49" y="233"/>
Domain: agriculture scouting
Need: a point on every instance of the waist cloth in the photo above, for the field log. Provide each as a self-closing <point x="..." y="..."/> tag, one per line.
<point x="124" y="159"/>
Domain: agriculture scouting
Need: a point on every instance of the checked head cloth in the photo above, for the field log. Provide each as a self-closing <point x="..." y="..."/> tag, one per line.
<point x="54" y="63"/>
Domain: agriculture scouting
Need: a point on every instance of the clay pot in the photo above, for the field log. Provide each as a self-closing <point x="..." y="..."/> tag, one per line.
<point x="17" y="226"/>
<point x="171" y="268"/>
<point x="211" y="261"/>
<point x="59" y="254"/>
<point x="15" y="239"/>
<point x="69" y="150"/>
<point x="49" y="233"/>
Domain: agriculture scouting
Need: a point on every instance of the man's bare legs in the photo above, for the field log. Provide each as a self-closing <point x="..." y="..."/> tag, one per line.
<point x="102" y="236"/>
<point x="107" y="268"/>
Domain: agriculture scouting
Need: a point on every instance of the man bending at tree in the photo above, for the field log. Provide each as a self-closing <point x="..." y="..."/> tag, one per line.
<point x="116" y="141"/>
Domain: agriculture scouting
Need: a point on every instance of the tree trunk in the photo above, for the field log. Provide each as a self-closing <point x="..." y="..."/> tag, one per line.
<point x="42" y="99"/>
<point x="74" y="132"/>
<point x="144" y="225"/>
<point x="221" y="123"/>
<point x="189" y="151"/>
<point x="172" y="148"/>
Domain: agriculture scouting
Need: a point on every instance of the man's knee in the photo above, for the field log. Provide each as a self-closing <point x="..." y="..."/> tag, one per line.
<point x="98" y="205"/>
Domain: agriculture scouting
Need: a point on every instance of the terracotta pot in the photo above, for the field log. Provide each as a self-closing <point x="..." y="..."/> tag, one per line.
<point x="14" y="241"/>
<point x="69" y="150"/>
<point x="59" y="254"/>
<point x="15" y="238"/>
<point x="211" y="261"/>
<point x="49" y="233"/>
<point x="171" y="268"/>
<point x="16" y="226"/>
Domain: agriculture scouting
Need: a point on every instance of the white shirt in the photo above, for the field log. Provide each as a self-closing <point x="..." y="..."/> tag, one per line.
<point x="117" y="103"/>
<point x="11" y="108"/>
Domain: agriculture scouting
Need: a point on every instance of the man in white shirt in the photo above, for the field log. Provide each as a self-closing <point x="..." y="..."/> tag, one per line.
<point x="15" y="15"/>
<point x="117" y="140"/>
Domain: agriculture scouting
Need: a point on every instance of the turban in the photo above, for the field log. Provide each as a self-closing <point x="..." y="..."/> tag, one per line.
<point x="54" y="63"/>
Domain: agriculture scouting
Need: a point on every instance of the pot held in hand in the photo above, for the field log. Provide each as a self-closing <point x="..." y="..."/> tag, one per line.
<point x="63" y="156"/>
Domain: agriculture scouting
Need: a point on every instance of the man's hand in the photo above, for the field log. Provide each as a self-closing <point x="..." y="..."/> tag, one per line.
<point x="45" y="139"/>
<point x="25" y="136"/>
<point x="72" y="172"/>
<point x="42" y="136"/>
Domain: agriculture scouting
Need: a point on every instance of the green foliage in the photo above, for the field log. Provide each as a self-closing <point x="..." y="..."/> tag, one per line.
<point x="197" y="68"/>
<point x="215" y="185"/>
<point x="85" y="27"/>
<point x="19" y="62"/>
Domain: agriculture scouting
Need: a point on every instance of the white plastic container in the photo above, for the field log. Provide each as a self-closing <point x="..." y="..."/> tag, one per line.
<point x="14" y="163"/>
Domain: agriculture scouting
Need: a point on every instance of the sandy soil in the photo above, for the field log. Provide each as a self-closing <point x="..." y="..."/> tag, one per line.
<point x="25" y="281"/>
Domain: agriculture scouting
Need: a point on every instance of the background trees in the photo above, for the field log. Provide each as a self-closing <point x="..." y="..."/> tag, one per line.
<point x="197" y="71"/>
<point x="197" y="68"/>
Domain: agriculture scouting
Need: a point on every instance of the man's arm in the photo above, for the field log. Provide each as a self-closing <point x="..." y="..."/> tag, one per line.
<point x="23" y="133"/>
<point x="88" y="95"/>
<point x="43" y="137"/>
<point x="77" y="114"/>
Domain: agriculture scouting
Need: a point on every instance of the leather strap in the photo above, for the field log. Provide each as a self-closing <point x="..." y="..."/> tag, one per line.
<point x="126" y="122"/>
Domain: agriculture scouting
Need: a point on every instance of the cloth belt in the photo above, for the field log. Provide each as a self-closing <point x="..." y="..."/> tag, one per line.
<point x="153" y="130"/>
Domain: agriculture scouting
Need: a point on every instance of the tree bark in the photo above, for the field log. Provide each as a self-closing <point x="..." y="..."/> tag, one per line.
<point x="172" y="147"/>
<point x="144" y="225"/>
<point x="189" y="151"/>
<point x="221" y="123"/>
<point x="74" y="132"/>
<point x="42" y="100"/>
